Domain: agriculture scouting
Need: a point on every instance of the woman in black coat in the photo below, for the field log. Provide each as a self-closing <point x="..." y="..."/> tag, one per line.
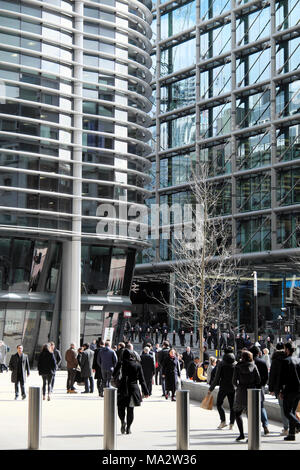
<point x="129" y="394"/>
<point x="171" y="372"/>
<point x="245" y="376"/>
<point x="46" y="368"/>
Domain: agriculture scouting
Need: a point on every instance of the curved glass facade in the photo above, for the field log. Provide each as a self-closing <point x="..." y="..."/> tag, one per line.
<point x="74" y="102"/>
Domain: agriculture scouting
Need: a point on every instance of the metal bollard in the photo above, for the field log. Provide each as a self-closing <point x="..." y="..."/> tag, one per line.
<point x="110" y="419"/>
<point x="182" y="419"/>
<point x="34" y="418"/>
<point x="254" y="417"/>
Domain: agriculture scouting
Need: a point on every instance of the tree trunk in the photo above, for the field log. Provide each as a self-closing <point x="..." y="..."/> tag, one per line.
<point x="201" y="342"/>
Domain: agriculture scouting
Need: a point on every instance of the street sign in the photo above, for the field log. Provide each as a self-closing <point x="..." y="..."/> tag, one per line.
<point x="127" y="314"/>
<point x="108" y="334"/>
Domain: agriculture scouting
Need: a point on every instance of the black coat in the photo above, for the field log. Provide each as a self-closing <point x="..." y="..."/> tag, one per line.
<point x="148" y="366"/>
<point x="46" y="363"/>
<point x="171" y="371"/>
<point x="278" y="357"/>
<point x="13" y="366"/>
<point x="263" y="371"/>
<point x="224" y="374"/>
<point x="245" y="376"/>
<point x="129" y="390"/>
<point x="96" y="367"/>
<point x="290" y="375"/>
<point x="187" y="359"/>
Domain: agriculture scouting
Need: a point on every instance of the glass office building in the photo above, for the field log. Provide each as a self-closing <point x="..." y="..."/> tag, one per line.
<point x="227" y="92"/>
<point x="74" y="111"/>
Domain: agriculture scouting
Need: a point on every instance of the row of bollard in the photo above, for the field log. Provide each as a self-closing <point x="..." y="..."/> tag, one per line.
<point x="110" y="419"/>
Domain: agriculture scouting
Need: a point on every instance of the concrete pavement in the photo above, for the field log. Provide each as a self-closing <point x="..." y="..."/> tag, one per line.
<point x="75" y="422"/>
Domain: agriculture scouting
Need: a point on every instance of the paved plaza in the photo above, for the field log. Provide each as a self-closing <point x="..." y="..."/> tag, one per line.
<point x="75" y="422"/>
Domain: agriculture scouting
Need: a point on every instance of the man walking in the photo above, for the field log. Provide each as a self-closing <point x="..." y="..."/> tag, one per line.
<point x="58" y="359"/>
<point x="264" y="375"/>
<point x="187" y="357"/>
<point x="19" y="365"/>
<point x="148" y="367"/>
<point x="223" y="378"/>
<point x="162" y="356"/>
<point x="107" y="360"/>
<point x="290" y="389"/>
<point x="86" y="364"/>
<point x="97" y="369"/>
<point x="72" y="364"/>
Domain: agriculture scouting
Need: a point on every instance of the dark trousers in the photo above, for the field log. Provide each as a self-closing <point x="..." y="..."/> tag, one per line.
<point x="106" y="374"/>
<point x="157" y="376"/>
<point x="71" y="379"/>
<point x="149" y="385"/>
<point x="290" y="403"/>
<point x="47" y="383"/>
<point x="89" y="384"/>
<point x="220" y="399"/>
<point x="100" y="386"/>
<point x="239" y="421"/>
<point x="122" y="414"/>
<point x="22" y="386"/>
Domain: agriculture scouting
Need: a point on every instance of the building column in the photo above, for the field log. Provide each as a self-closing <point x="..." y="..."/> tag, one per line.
<point x="71" y="258"/>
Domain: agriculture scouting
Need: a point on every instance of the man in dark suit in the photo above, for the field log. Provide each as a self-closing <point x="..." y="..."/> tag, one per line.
<point x="97" y="368"/>
<point x="264" y="376"/>
<point x="86" y="365"/>
<point x="19" y="365"/>
<point x="187" y="357"/>
<point x="148" y="366"/>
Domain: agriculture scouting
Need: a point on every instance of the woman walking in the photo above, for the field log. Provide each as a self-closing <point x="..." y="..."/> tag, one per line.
<point x="245" y="376"/>
<point x="171" y="372"/>
<point x="47" y="369"/>
<point x="129" y="394"/>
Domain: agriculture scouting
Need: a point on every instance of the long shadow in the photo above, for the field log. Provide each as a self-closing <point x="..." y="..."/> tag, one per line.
<point x="71" y="436"/>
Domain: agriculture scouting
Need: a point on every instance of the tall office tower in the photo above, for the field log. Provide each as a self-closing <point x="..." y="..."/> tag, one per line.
<point x="227" y="91"/>
<point x="75" y="97"/>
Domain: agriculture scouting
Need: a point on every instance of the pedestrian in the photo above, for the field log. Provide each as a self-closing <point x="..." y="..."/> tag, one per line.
<point x="266" y="357"/>
<point x="245" y="376"/>
<point x="86" y="365"/>
<point x="240" y="343"/>
<point x="264" y="376"/>
<point x="174" y="338"/>
<point x="120" y="350"/>
<point x="156" y="350"/>
<point x="129" y="394"/>
<point x="187" y="357"/>
<point x="171" y="373"/>
<point x="19" y="366"/>
<point x="202" y="371"/>
<point x="164" y="333"/>
<point x="191" y="372"/>
<point x="58" y="360"/>
<point x="212" y="364"/>
<point x="93" y="345"/>
<point x="97" y="369"/>
<point x="4" y="349"/>
<point x="223" y="378"/>
<point x="72" y="363"/>
<point x="107" y="360"/>
<point x="290" y="389"/>
<point x="162" y="355"/>
<point x="274" y="386"/>
<point x="47" y="368"/>
<point x="181" y="334"/>
<point x="148" y="366"/>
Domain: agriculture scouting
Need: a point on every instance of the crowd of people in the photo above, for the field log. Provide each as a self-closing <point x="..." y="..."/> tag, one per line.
<point x="133" y="374"/>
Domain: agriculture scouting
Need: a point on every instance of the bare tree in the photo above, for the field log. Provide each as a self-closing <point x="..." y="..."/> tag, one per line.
<point x="205" y="272"/>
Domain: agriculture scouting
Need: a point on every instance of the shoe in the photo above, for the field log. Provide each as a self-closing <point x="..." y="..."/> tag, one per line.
<point x="101" y="395"/>
<point x="128" y="431"/>
<point x="231" y="426"/>
<point x="72" y="391"/>
<point x="240" y="438"/>
<point x="222" y="425"/>
<point x="23" y="397"/>
<point x="16" y="397"/>
<point x="48" y="397"/>
<point x="166" y="396"/>
<point x="85" y="392"/>
<point x="123" y="427"/>
<point x="266" y="430"/>
<point x="173" y="399"/>
<point x="284" y="432"/>
<point x="44" y="397"/>
<point x="290" y="437"/>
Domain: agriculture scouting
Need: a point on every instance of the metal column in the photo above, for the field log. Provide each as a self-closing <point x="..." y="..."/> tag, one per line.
<point x="110" y="419"/>
<point x="182" y="419"/>
<point x="34" y="418"/>
<point x="254" y="418"/>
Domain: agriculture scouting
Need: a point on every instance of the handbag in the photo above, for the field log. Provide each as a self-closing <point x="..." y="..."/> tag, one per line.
<point x="207" y="402"/>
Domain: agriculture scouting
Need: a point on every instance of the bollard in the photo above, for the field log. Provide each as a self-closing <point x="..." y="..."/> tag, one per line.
<point x="110" y="419"/>
<point x="34" y="418"/>
<point x="254" y="417"/>
<point x="182" y="419"/>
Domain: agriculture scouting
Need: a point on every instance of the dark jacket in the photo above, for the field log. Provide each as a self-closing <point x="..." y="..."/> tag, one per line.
<point x="290" y="375"/>
<point x="58" y="358"/>
<point x="13" y="366"/>
<point x="263" y="370"/>
<point x="107" y="358"/>
<point x="46" y="363"/>
<point x="191" y="370"/>
<point x="224" y="374"/>
<point x="162" y="355"/>
<point x="245" y="376"/>
<point x="187" y="359"/>
<point x="96" y="366"/>
<point x="274" y="377"/>
<point x="128" y="389"/>
<point x="86" y="363"/>
<point x="148" y="366"/>
<point x="171" y="371"/>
